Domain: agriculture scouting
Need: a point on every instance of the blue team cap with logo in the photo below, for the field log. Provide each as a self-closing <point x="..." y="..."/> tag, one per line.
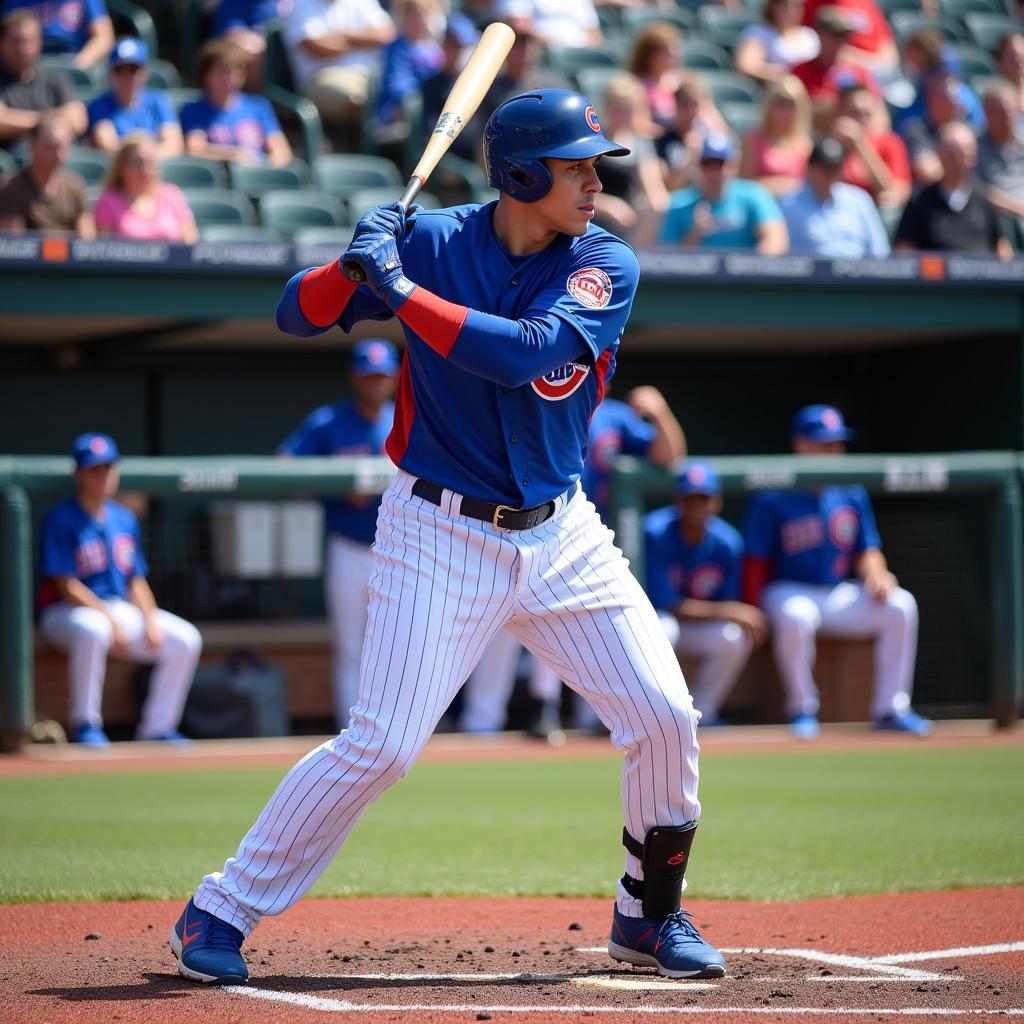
<point x="717" y="146"/>
<point x="698" y="478"/>
<point x="822" y="423"/>
<point x="90" y="450"/>
<point x="129" y="50"/>
<point x="374" y="356"/>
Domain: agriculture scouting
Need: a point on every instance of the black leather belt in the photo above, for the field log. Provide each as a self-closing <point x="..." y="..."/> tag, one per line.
<point x="505" y="517"/>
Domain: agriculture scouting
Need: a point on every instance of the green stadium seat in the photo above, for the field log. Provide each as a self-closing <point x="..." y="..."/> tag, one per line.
<point x="238" y="233"/>
<point x="255" y="180"/>
<point x="636" y="18"/>
<point x="702" y="53"/>
<point x="8" y="165"/>
<point x="985" y="30"/>
<point x="288" y="210"/>
<point x="723" y="26"/>
<point x="974" y="61"/>
<point x="730" y="87"/>
<point x="341" y="174"/>
<point x="571" y="60"/>
<point x="593" y="81"/>
<point x="980" y="83"/>
<point x="179" y="97"/>
<point x="132" y="19"/>
<point x="890" y="7"/>
<point x="455" y="180"/>
<point x="84" y="77"/>
<point x="361" y="201"/>
<point x="336" y="236"/>
<point x="90" y="163"/>
<point x="890" y="216"/>
<point x="162" y="74"/>
<point x="741" y="117"/>
<point x="194" y="172"/>
<point x="906" y="23"/>
<point x="219" y="206"/>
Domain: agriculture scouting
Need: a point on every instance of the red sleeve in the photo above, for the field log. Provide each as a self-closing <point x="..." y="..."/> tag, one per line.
<point x="323" y="294"/>
<point x="756" y="573"/>
<point x="893" y="151"/>
<point x="437" y="321"/>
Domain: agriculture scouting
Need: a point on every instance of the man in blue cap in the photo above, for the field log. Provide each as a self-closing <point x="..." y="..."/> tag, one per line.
<point x="814" y="563"/>
<point x="95" y="601"/>
<point x="353" y="426"/>
<point x="693" y="567"/>
<point x="128" y="106"/>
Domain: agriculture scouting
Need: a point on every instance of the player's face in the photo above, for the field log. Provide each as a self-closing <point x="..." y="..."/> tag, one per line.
<point x="805" y="446"/>
<point x="696" y="509"/>
<point x="21" y="45"/>
<point x="97" y="482"/>
<point x="568" y="208"/>
<point x="374" y="389"/>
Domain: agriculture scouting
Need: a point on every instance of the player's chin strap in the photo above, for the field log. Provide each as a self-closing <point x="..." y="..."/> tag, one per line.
<point x="663" y="854"/>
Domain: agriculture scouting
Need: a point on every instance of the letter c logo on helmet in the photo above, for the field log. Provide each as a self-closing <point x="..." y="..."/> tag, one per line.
<point x="527" y="128"/>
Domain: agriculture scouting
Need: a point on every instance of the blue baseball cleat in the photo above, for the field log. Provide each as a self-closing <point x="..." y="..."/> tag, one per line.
<point x="91" y="736"/>
<point x="673" y="946"/>
<point x="904" y="721"/>
<point x="804" y="727"/>
<point x="208" y="949"/>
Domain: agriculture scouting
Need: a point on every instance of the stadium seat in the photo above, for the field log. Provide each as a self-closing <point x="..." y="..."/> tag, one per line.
<point x="90" y="78"/>
<point x="288" y="210"/>
<point x="593" y="81"/>
<point x="702" y="53"/>
<point x="255" y="180"/>
<point x="219" y="206"/>
<point x="162" y="75"/>
<point x="980" y="83"/>
<point x="571" y="60"/>
<point x="890" y="216"/>
<point x="179" y="97"/>
<point x="360" y="201"/>
<point x="961" y="8"/>
<point x="341" y="174"/>
<point x="132" y="19"/>
<point x="8" y="165"/>
<point x="730" y="87"/>
<point x="974" y="61"/>
<point x="194" y="172"/>
<point x="636" y="18"/>
<point x="740" y="117"/>
<point x="985" y="30"/>
<point x="906" y="23"/>
<point x="238" y="233"/>
<point x="337" y="236"/>
<point x="456" y="180"/>
<point x="723" y="26"/>
<point x="90" y="163"/>
<point x="890" y="7"/>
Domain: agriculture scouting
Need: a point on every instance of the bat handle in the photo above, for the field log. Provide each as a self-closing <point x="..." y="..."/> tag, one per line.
<point x="352" y="270"/>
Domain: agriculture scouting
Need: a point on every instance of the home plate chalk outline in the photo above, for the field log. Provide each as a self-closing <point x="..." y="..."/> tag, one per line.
<point x="878" y="968"/>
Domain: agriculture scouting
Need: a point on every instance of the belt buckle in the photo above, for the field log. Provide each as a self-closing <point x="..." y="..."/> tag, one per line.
<point x="498" y="509"/>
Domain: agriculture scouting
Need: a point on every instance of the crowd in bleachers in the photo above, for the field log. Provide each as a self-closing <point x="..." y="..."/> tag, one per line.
<point x="837" y="129"/>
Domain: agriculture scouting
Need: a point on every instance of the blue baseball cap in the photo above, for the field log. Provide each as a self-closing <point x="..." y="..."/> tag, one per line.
<point x="129" y="50"/>
<point x="698" y="478"/>
<point x="717" y="146"/>
<point x="90" y="450"/>
<point x="374" y="356"/>
<point x="821" y="423"/>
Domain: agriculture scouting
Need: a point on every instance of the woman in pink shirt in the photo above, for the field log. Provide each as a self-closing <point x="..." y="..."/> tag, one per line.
<point x="656" y="60"/>
<point x="137" y="203"/>
<point x="776" y="152"/>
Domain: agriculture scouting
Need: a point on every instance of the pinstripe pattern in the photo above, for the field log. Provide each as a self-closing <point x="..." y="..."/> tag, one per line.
<point x="442" y="587"/>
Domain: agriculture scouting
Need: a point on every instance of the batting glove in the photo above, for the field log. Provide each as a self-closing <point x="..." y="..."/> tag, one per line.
<point x="391" y="219"/>
<point x="377" y="253"/>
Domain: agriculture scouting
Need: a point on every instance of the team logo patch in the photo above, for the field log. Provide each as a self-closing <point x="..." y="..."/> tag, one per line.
<point x="704" y="581"/>
<point x="124" y="553"/>
<point x="842" y="527"/>
<point x="561" y="383"/>
<point x="591" y="115"/>
<point x="98" y="446"/>
<point x="831" y="419"/>
<point x="591" y="287"/>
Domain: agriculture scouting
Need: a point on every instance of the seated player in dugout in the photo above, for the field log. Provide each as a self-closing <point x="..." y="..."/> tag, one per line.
<point x="512" y="313"/>
<point x="815" y="564"/>
<point x="694" y="561"/>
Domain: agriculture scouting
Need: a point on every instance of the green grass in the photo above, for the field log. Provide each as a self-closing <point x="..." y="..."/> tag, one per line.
<point x="777" y="826"/>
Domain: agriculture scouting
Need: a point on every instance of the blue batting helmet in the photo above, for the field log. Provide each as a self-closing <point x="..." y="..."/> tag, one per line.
<point x="526" y="128"/>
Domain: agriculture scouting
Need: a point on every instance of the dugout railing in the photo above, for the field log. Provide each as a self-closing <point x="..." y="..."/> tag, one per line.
<point x="996" y="477"/>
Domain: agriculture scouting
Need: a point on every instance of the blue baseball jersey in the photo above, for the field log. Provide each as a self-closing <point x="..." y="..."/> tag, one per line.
<point x="254" y="14"/>
<point x="508" y="422"/>
<point x="811" y="536"/>
<point x="104" y="554"/>
<point x="65" y="22"/>
<point x="615" y="429"/>
<point x="340" y="429"/>
<point x="677" y="569"/>
<point x="246" y="121"/>
<point x="150" y="114"/>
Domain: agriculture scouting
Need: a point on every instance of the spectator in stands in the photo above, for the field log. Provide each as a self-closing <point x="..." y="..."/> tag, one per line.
<point x="556" y="22"/>
<point x="459" y="38"/>
<point x="940" y="90"/>
<point x="354" y="426"/>
<point x="829" y="218"/>
<point x="409" y="60"/>
<point x="46" y="196"/>
<point x="96" y="601"/>
<point x="693" y="571"/>
<point x="244" y="22"/>
<point x="769" y="50"/>
<point x="826" y="74"/>
<point x="524" y="70"/>
<point x="723" y="212"/>
<point x="226" y="123"/>
<point x="815" y="564"/>
<point x="696" y="116"/>
<point x="1010" y="61"/>
<point x="632" y="185"/>
<point x="335" y="46"/>
<point x="952" y="213"/>
<point x="871" y="44"/>
<point x="928" y="55"/>
<point x="1001" y="150"/>
<point x="876" y="157"/>
<point x="655" y="61"/>
<point x="128" y="106"/>
<point x="137" y="203"/>
<point x="81" y="28"/>
<point x="27" y="91"/>
<point x="775" y="153"/>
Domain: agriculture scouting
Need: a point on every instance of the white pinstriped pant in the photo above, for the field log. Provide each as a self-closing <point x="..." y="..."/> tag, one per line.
<point x="442" y="587"/>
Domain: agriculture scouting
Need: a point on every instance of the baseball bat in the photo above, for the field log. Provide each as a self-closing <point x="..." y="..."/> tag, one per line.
<point x="466" y="95"/>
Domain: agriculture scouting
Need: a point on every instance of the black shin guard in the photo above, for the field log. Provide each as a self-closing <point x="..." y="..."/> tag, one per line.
<point x="663" y="854"/>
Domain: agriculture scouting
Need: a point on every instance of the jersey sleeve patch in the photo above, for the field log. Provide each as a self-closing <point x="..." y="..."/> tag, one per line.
<point x="591" y="287"/>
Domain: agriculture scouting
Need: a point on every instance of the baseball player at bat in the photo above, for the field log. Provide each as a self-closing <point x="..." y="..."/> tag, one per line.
<point x="512" y="313"/>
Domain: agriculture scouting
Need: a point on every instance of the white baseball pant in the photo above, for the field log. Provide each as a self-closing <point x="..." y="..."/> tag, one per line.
<point x="798" y="612"/>
<point x="723" y="648"/>
<point x="443" y="586"/>
<point x="86" y="635"/>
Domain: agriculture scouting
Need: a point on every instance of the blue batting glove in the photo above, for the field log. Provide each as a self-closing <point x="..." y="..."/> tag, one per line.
<point x="391" y="219"/>
<point x="377" y="253"/>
